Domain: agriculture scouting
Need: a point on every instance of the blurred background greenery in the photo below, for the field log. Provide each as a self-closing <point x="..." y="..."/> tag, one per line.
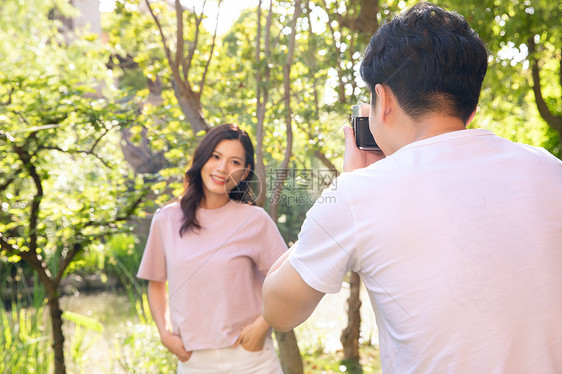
<point x="102" y="104"/>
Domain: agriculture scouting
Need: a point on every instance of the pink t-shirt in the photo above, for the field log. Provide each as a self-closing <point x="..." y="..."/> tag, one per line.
<point x="214" y="275"/>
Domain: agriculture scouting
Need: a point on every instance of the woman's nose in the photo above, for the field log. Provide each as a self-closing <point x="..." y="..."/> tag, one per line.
<point x="222" y="165"/>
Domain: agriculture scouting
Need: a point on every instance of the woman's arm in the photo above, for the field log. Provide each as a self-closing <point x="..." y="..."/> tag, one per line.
<point x="158" y="303"/>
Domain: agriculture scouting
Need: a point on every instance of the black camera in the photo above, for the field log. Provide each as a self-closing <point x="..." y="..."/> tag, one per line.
<point x="360" y="123"/>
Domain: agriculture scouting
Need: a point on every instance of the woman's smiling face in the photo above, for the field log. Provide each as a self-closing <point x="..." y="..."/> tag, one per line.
<point x="224" y="170"/>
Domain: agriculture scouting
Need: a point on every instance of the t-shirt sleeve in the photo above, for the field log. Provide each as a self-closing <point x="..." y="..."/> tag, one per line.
<point x="326" y="249"/>
<point x="272" y="245"/>
<point x="153" y="263"/>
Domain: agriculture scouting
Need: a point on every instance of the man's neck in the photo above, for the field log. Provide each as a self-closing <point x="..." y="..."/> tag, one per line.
<point x="428" y="127"/>
<point x="435" y="125"/>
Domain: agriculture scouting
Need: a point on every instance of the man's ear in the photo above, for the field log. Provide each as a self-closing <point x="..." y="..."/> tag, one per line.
<point x="383" y="103"/>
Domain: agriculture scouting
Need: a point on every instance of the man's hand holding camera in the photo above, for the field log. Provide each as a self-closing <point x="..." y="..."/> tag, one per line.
<point x="355" y="158"/>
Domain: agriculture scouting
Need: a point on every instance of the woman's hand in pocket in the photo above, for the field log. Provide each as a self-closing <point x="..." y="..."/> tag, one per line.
<point x="252" y="337"/>
<point x="174" y="344"/>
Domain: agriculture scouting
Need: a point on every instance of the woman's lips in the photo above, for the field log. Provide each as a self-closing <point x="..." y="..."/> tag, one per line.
<point x="218" y="180"/>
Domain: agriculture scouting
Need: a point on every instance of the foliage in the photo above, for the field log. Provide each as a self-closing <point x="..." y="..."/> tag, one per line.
<point x="123" y="256"/>
<point x="53" y="147"/>
<point x="325" y="65"/>
<point x="58" y="139"/>
<point x="140" y="350"/>
<point x="318" y="118"/>
<point x="320" y="362"/>
<point x="63" y="185"/>
<point x="24" y="341"/>
<point x="510" y="29"/>
<point x="79" y="345"/>
<point x="23" y="336"/>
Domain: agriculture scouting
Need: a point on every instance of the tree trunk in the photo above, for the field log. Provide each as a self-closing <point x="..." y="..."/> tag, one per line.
<point x="191" y="109"/>
<point x="260" y="166"/>
<point x="350" y="335"/>
<point x="365" y="21"/>
<point x="56" y="325"/>
<point x="553" y="120"/>
<point x="274" y="206"/>
<point x="141" y="157"/>
<point x="262" y="97"/>
<point x="289" y="354"/>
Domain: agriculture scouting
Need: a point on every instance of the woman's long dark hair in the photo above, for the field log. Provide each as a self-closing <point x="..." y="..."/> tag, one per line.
<point x="193" y="184"/>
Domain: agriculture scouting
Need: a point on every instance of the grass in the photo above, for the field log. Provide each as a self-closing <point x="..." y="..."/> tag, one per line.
<point x="25" y="342"/>
<point x="130" y="338"/>
<point x="332" y="363"/>
<point x="134" y="345"/>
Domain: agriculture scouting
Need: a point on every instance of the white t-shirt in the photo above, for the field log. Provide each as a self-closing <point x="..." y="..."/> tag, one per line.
<point x="214" y="275"/>
<point x="458" y="240"/>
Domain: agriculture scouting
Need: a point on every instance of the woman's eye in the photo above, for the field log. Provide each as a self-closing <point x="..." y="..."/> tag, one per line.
<point x="236" y="163"/>
<point x="215" y="156"/>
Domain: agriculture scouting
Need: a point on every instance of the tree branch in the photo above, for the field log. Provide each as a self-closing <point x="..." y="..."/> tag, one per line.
<point x="551" y="119"/>
<point x="162" y="36"/>
<point x="260" y="167"/>
<point x="193" y="46"/>
<point x="74" y="151"/>
<point x="9" y="181"/>
<point x="123" y="216"/>
<point x="96" y="142"/>
<point x="179" y="35"/>
<point x="262" y="92"/>
<point x="20" y="114"/>
<point x="67" y="260"/>
<point x="560" y="70"/>
<point x="337" y="46"/>
<point x="202" y="83"/>
<point x="175" y="69"/>
<point x="364" y="23"/>
<point x="34" y="215"/>
<point x="322" y="157"/>
<point x="267" y="46"/>
<point x="9" y="101"/>
<point x="79" y="246"/>
<point x="257" y="59"/>
<point x="289" y="114"/>
<point x="10" y="249"/>
<point x="30" y="258"/>
<point x="31" y="255"/>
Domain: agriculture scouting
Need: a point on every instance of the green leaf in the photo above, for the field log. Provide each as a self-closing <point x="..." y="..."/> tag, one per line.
<point x="84" y="321"/>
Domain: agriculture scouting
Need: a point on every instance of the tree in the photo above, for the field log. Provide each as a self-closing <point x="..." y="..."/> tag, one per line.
<point x="181" y="60"/>
<point x="288" y="109"/>
<point x="355" y="26"/>
<point x="260" y="69"/>
<point x="250" y="87"/>
<point x="62" y="189"/>
<point x="288" y="349"/>
<point x="524" y="40"/>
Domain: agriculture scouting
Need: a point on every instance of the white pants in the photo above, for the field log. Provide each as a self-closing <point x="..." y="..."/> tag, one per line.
<point x="233" y="360"/>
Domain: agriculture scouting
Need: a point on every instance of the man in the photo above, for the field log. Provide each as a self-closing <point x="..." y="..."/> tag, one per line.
<point x="456" y="233"/>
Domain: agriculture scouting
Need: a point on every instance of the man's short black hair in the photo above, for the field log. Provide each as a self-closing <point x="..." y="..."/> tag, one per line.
<point x="431" y="59"/>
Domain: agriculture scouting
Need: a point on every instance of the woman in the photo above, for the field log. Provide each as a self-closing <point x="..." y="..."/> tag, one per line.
<point x="214" y="249"/>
